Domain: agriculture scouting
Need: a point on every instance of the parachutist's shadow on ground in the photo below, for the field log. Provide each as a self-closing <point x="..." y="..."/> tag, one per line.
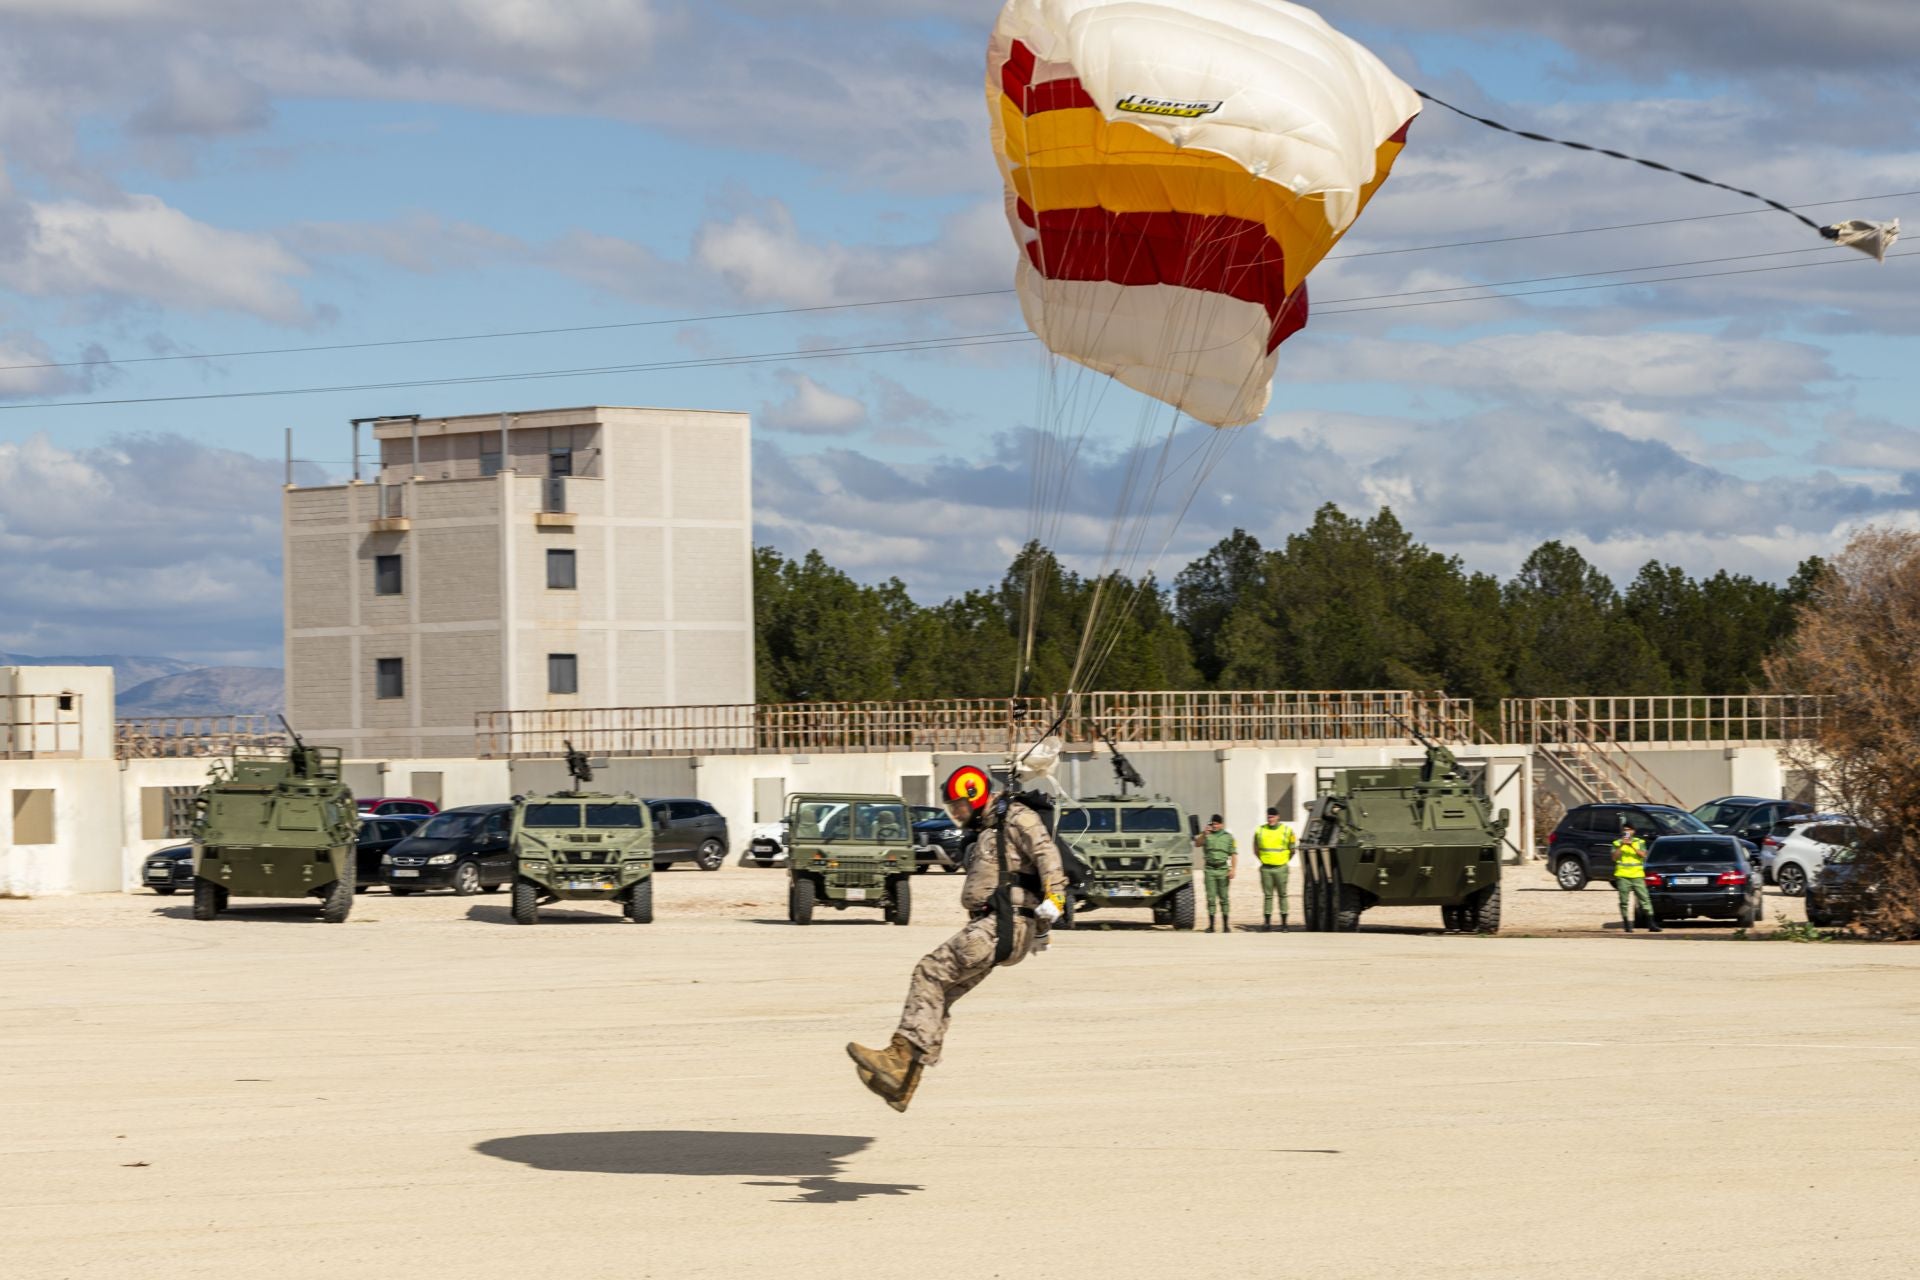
<point x="550" y="915"/>
<point x="808" y="1163"/>
<point x="868" y="918"/>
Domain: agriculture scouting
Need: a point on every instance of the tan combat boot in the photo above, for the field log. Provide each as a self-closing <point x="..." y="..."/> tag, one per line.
<point x="892" y="1072"/>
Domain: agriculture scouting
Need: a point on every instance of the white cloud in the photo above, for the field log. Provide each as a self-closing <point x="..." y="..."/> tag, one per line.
<point x="149" y="544"/>
<point x="144" y="250"/>
<point x="811" y="409"/>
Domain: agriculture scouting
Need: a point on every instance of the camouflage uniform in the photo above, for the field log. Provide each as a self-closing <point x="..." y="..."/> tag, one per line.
<point x="959" y="964"/>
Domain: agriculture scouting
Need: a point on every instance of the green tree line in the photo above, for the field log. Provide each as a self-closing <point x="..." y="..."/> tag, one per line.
<point x="1344" y="604"/>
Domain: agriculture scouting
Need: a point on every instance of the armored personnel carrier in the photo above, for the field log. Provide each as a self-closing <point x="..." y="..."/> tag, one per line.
<point x="1402" y="836"/>
<point x="849" y="851"/>
<point x="1124" y="850"/>
<point x="581" y="846"/>
<point x="275" y="824"/>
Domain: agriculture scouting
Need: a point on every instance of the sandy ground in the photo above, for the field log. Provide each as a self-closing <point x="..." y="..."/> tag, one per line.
<point x="428" y="1091"/>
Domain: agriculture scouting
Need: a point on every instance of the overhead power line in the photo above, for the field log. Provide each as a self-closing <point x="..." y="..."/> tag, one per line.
<point x="771" y="312"/>
<point x="960" y="341"/>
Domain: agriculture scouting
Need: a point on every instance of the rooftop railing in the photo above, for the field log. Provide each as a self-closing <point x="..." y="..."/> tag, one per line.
<point x="189" y="737"/>
<point x="1758" y="719"/>
<point x="978" y="725"/>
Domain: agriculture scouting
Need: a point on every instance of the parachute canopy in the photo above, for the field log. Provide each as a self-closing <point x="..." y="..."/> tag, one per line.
<point x="1174" y="170"/>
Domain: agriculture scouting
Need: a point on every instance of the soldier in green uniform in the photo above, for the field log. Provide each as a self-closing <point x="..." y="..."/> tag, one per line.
<point x="1630" y="878"/>
<point x="1221" y="858"/>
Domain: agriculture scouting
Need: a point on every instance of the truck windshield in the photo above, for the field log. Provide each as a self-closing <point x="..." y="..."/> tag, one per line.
<point x="880" y="822"/>
<point x="1082" y="821"/>
<point x="1150" y="821"/>
<point x="551" y="815"/>
<point x="614" y="815"/>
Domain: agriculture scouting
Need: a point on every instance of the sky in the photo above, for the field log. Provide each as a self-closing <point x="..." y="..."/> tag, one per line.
<point x="186" y="182"/>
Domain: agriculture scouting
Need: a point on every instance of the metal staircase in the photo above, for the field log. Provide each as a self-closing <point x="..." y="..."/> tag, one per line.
<point x="1598" y="768"/>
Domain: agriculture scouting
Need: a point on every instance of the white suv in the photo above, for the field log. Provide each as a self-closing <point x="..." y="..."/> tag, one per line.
<point x="1804" y="850"/>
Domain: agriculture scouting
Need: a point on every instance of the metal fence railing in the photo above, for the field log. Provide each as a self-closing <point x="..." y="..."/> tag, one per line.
<point x="1730" y="720"/>
<point x="40" y="725"/>
<point x="977" y="724"/>
<point x="183" y="737"/>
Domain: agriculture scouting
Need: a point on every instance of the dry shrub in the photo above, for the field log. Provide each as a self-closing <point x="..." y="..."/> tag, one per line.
<point x="1857" y="646"/>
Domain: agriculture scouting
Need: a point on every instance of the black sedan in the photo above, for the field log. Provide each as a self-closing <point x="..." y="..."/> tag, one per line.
<point x="465" y="850"/>
<point x="937" y="840"/>
<point x="377" y="838"/>
<point x="168" y="869"/>
<point x="1707" y="876"/>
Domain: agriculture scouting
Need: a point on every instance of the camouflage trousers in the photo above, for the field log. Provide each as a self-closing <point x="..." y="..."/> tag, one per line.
<point x="1273" y="884"/>
<point x="948" y="972"/>
<point x="1217" y="885"/>
<point x="1630" y="887"/>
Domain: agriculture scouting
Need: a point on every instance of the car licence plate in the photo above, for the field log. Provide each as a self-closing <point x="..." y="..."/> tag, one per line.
<point x="405" y="872"/>
<point x="1689" y="879"/>
<point x="856" y="895"/>
<point x="1127" y="891"/>
<point x="589" y="884"/>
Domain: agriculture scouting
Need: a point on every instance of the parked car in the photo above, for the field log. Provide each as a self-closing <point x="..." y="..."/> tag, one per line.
<point x="1708" y="876"/>
<point x="465" y="850"/>
<point x="938" y="841"/>
<point x="378" y="836"/>
<point x="766" y="845"/>
<point x="1751" y="818"/>
<point x="1806" y="848"/>
<point x="688" y="831"/>
<point x="165" y="870"/>
<point x="395" y="806"/>
<point x="1837" y="895"/>
<point x="1580" y="849"/>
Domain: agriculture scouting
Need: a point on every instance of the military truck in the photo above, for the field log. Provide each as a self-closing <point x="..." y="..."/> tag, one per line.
<point x="581" y="846"/>
<point x="1133" y="851"/>
<point x="849" y="851"/>
<point x="1402" y="836"/>
<point x="273" y="823"/>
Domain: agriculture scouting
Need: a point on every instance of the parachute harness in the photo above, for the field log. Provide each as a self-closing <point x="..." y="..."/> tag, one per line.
<point x="1873" y="238"/>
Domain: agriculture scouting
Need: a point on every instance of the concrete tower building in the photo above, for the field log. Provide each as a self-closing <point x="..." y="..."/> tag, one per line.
<point x="596" y="557"/>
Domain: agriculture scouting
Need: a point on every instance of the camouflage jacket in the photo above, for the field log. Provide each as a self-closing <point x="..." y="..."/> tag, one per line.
<point x="1030" y="851"/>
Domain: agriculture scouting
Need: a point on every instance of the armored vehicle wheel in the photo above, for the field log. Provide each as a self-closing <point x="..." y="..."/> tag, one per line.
<point x="639" y="903"/>
<point x="899" y="907"/>
<point x="1792" y="879"/>
<point x="1324" y="891"/>
<point x="1570" y="874"/>
<point x="1309" y="899"/>
<point x="1450" y="918"/>
<point x="800" y="901"/>
<point x="339" y="900"/>
<point x="712" y="854"/>
<point x="526" y="902"/>
<point x="466" y="879"/>
<point x="209" y="899"/>
<point x="1482" y="913"/>
<point x="1182" y="907"/>
<point x="1351" y="903"/>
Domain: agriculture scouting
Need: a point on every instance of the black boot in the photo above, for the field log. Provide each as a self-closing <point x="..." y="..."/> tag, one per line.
<point x="1209" y="924"/>
<point x="1626" y="924"/>
<point x="1283" y="924"/>
<point x="1653" y="924"/>
<point x="1269" y="927"/>
<point x="1226" y="925"/>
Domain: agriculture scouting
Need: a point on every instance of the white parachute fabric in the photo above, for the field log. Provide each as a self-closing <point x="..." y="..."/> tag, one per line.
<point x="1871" y="238"/>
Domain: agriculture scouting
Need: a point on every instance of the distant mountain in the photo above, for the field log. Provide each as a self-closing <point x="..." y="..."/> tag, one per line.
<point x="208" y="691"/>
<point x="127" y="671"/>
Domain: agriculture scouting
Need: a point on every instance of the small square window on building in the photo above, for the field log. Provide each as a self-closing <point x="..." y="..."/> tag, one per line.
<point x="563" y="673"/>
<point x="388" y="579"/>
<point x="390" y="678"/>
<point x="33" y="816"/>
<point x="560" y="461"/>
<point x="560" y="570"/>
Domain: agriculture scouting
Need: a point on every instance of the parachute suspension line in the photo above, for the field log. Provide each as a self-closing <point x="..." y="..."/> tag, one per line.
<point x="1530" y="136"/>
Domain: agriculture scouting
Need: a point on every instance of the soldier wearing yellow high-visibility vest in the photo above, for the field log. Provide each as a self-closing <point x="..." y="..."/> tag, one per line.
<point x="1273" y="845"/>
<point x="1630" y="878"/>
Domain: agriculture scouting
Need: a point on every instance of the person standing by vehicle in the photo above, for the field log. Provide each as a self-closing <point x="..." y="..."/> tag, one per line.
<point x="1630" y="878"/>
<point x="1273" y="845"/>
<point x="1015" y="890"/>
<point x="1220" y="858"/>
